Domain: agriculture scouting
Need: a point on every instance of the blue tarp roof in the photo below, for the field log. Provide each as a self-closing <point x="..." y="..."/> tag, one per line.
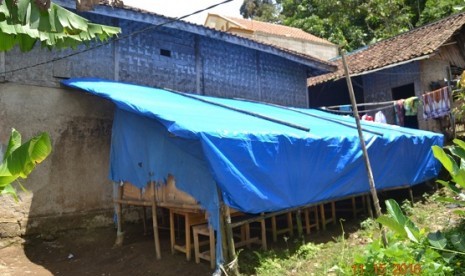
<point x="259" y="165"/>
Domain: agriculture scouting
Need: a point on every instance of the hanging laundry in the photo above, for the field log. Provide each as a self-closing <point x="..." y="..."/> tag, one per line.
<point x="367" y="117"/>
<point x="346" y="108"/>
<point x="436" y="103"/>
<point x="399" y="111"/>
<point x="380" y="118"/>
<point x="411" y="106"/>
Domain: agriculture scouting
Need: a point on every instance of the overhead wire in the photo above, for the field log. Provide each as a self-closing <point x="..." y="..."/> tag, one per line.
<point x="152" y="27"/>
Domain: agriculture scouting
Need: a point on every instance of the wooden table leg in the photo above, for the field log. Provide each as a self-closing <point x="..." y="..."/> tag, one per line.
<point x="307" y="221"/>
<point x="323" y="216"/>
<point x="273" y="229"/>
<point x="354" y="207"/>
<point x="196" y="245"/>
<point x="172" y="236"/>
<point x="188" y="238"/>
<point x="263" y="226"/>
<point x="333" y="211"/>
<point x="212" y="247"/>
<point x="290" y="225"/>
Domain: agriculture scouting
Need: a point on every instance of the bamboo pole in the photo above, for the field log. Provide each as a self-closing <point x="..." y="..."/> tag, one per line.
<point x="222" y="230"/>
<point x="232" y="250"/>
<point x="155" y="223"/>
<point x="451" y="99"/>
<point x="253" y="114"/>
<point x="117" y="194"/>
<point x="310" y="115"/>
<point x="371" y="180"/>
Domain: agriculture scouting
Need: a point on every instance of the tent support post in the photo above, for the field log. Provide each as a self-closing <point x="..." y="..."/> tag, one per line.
<point x="227" y="241"/>
<point x="371" y="180"/>
<point x="117" y="194"/>
<point x="229" y="235"/>
<point x="224" y="243"/>
<point x="155" y="222"/>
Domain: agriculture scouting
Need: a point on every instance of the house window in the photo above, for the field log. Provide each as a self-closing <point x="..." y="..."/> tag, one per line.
<point x="166" y="53"/>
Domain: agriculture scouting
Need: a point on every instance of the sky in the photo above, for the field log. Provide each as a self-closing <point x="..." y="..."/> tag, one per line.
<point x="176" y="8"/>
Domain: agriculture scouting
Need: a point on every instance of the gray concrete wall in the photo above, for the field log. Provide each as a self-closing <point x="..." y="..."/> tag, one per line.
<point x="71" y="188"/>
<point x="321" y="51"/>
<point x="73" y="179"/>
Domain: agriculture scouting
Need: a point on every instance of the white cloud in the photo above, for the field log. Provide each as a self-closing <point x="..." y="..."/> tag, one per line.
<point x="176" y="8"/>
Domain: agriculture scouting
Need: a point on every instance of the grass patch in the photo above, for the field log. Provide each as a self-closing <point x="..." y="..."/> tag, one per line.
<point x="339" y="255"/>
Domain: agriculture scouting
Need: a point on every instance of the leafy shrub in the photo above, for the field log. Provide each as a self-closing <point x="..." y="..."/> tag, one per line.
<point x="409" y="250"/>
<point x="456" y="171"/>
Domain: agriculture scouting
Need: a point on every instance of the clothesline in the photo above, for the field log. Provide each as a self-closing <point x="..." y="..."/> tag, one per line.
<point x="361" y="104"/>
<point x="360" y="111"/>
<point x="435" y="103"/>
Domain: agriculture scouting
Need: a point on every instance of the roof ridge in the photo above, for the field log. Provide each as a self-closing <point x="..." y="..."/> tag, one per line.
<point x="416" y="29"/>
<point x="298" y="33"/>
<point x="428" y="38"/>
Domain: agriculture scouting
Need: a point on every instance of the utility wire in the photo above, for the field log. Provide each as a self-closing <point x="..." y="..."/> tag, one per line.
<point x="153" y="27"/>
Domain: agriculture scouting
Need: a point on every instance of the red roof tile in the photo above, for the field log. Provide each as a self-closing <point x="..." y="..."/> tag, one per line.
<point x="404" y="47"/>
<point x="276" y="29"/>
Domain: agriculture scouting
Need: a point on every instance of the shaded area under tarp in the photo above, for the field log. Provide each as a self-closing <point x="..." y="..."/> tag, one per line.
<point x="259" y="165"/>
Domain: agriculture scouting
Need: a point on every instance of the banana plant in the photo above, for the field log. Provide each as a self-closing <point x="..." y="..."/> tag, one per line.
<point x="399" y="223"/>
<point x="19" y="160"/>
<point x="456" y="171"/>
<point x="26" y="22"/>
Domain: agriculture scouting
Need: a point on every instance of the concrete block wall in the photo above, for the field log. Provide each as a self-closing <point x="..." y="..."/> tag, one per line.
<point x="141" y="61"/>
<point x="228" y="70"/>
<point x="378" y="85"/>
<point x="71" y="188"/>
<point x="281" y="82"/>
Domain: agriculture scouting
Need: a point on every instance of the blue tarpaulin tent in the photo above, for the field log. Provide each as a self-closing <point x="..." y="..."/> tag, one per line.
<point x="259" y="163"/>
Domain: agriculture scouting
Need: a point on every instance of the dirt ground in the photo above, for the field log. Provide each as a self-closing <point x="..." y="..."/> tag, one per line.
<point x="91" y="252"/>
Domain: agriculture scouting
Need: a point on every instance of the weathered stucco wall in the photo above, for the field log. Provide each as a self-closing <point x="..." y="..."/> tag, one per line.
<point x="321" y="51"/>
<point x="73" y="179"/>
<point x="432" y="70"/>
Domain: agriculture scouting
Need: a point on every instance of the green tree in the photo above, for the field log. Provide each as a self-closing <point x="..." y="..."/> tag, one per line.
<point x="341" y="22"/>
<point x="262" y="10"/>
<point x="437" y="9"/>
<point x="356" y="23"/>
<point x="20" y="159"/>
